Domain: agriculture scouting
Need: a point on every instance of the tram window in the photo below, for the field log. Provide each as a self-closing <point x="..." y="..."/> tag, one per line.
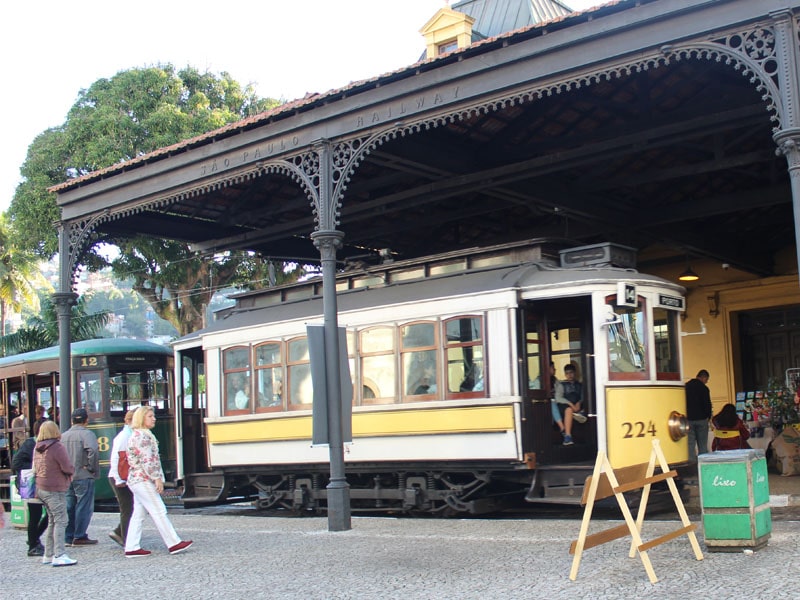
<point x="301" y="393"/>
<point x="533" y="352"/>
<point x="269" y="377"/>
<point x="350" y="337"/>
<point x="236" y="366"/>
<point x="565" y="349"/>
<point x="378" y="365"/>
<point x="90" y="391"/>
<point x="665" y="330"/>
<point x="186" y="383"/>
<point x="465" y="361"/>
<point x="158" y="388"/>
<point x="117" y="394"/>
<point x="627" y="342"/>
<point x="44" y="397"/>
<point x="418" y="354"/>
<point x="193" y="399"/>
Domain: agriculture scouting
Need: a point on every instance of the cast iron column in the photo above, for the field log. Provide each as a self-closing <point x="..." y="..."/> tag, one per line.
<point x="64" y="300"/>
<point x="328" y="240"/>
<point x="788" y="139"/>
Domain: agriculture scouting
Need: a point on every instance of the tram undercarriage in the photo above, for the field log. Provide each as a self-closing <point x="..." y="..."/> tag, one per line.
<point x="442" y="491"/>
<point x="435" y="491"/>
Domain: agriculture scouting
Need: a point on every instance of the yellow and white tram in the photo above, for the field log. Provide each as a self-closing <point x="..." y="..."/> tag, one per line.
<point x="449" y="357"/>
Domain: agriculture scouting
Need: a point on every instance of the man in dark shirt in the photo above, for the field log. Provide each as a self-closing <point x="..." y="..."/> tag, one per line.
<point x="698" y="412"/>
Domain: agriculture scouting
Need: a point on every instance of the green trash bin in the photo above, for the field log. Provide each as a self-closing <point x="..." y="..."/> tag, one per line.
<point x="734" y="495"/>
<point x="19" y="510"/>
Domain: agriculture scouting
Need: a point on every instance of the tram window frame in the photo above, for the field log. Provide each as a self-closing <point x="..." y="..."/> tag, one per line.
<point x="538" y="383"/>
<point x="82" y="395"/>
<point x="232" y="367"/>
<point x="147" y="383"/>
<point x="350" y="341"/>
<point x="621" y="312"/>
<point x="666" y="344"/>
<point x="298" y="367"/>
<point x="455" y="352"/>
<point x="187" y="399"/>
<point x="161" y="403"/>
<point x="422" y="359"/>
<point x="273" y="371"/>
<point x="385" y="353"/>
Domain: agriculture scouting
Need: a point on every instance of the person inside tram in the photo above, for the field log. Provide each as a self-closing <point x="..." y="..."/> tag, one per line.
<point x="239" y="398"/>
<point x="20" y="427"/>
<point x="39" y="420"/>
<point x="473" y="380"/>
<point x="54" y="414"/>
<point x="4" y="457"/>
<point x="269" y="392"/>
<point x="568" y="400"/>
<point x="426" y="382"/>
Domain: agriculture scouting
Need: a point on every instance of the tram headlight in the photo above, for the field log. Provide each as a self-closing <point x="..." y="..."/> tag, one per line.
<point x="678" y="425"/>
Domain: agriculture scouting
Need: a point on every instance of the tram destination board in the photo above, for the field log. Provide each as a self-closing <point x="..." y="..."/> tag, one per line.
<point x="671" y="301"/>
<point x="599" y="254"/>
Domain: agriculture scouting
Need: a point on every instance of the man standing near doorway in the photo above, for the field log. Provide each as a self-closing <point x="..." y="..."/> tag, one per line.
<point x="82" y="448"/>
<point x="20" y="427"/>
<point x="698" y="412"/>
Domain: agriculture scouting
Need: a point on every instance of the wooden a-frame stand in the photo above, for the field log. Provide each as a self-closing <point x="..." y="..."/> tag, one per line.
<point x="605" y="482"/>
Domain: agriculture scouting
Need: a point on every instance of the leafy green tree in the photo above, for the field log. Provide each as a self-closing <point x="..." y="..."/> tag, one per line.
<point x="41" y="331"/>
<point x="20" y="276"/>
<point x="116" y="119"/>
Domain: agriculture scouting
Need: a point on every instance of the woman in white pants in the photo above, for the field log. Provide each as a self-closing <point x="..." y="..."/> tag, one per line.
<point x="146" y="481"/>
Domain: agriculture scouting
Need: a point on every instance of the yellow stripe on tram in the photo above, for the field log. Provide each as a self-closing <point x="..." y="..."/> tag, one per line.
<point x="482" y="419"/>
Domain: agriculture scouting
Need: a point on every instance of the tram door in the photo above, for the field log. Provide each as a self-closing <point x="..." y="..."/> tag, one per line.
<point x="557" y="332"/>
<point x="192" y="401"/>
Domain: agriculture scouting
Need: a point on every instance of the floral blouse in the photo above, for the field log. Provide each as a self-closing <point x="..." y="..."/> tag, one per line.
<point x="143" y="458"/>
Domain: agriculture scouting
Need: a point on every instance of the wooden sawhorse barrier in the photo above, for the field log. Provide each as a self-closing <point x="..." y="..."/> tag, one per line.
<point x="606" y="481"/>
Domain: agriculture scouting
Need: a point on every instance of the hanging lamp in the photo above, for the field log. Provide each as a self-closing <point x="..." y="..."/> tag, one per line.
<point x="688" y="275"/>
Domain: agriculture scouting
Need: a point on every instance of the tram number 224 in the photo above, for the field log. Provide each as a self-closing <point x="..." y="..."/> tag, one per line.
<point x="638" y="429"/>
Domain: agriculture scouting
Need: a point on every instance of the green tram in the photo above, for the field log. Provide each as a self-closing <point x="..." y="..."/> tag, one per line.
<point x="109" y="377"/>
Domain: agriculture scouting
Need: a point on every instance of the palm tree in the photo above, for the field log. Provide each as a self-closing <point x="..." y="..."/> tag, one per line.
<point x="42" y="331"/>
<point x="20" y="276"/>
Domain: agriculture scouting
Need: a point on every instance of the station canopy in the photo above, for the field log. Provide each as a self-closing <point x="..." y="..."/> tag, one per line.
<point x="645" y="123"/>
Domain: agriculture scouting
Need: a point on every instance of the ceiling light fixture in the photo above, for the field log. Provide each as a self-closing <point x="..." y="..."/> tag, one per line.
<point x="688" y="275"/>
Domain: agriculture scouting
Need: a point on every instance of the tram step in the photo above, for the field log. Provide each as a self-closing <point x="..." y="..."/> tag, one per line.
<point x="200" y="501"/>
<point x="570" y="500"/>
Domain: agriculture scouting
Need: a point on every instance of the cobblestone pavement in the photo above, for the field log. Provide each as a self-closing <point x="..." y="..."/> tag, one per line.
<point x="237" y="556"/>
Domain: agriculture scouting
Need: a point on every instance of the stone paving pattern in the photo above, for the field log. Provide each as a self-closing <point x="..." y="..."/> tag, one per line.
<point x="239" y="556"/>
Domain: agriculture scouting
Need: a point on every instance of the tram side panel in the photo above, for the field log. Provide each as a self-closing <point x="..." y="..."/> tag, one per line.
<point x="480" y="431"/>
<point x="468" y="433"/>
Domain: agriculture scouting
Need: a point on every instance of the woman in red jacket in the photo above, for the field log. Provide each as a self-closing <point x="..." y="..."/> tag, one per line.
<point x="730" y="432"/>
<point x="54" y="472"/>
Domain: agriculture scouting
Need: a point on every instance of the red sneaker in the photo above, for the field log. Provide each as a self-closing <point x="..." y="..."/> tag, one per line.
<point x="180" y="546"/>
<point x="136" y="553"/>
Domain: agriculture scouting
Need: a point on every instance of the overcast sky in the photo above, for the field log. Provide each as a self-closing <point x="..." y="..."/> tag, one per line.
<point x="53" y="49"/>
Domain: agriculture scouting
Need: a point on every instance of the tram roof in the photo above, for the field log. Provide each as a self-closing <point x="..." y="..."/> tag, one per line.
<point x="83" y="348"/>
<point x="529" y="277"/>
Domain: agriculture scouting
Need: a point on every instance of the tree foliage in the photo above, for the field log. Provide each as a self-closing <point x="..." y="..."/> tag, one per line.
<point x="41" y="331"/>
<point x="20" y="277"/>
<point x="117" y="119"/>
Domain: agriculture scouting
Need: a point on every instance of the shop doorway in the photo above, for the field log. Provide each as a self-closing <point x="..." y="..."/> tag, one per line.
<point x="770" y="343"/>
